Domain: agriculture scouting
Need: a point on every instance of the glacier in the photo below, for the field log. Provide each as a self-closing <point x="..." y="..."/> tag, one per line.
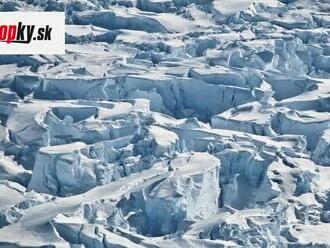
<point x="169" y="123"/>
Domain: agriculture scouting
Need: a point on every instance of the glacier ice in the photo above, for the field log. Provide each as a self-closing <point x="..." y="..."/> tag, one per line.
<point x="169" y="123"/>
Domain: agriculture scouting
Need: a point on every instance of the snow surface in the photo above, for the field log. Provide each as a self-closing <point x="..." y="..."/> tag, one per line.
<point x="169" y="123"/>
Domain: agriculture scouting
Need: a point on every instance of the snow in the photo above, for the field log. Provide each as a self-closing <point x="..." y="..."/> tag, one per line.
<point x="169" y="123"/>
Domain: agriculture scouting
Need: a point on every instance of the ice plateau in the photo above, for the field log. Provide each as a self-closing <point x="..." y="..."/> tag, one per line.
<point x="169" y="123"/>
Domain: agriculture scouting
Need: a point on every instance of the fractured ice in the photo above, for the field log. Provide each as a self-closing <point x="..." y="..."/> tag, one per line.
<point x="169" y="123"/>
